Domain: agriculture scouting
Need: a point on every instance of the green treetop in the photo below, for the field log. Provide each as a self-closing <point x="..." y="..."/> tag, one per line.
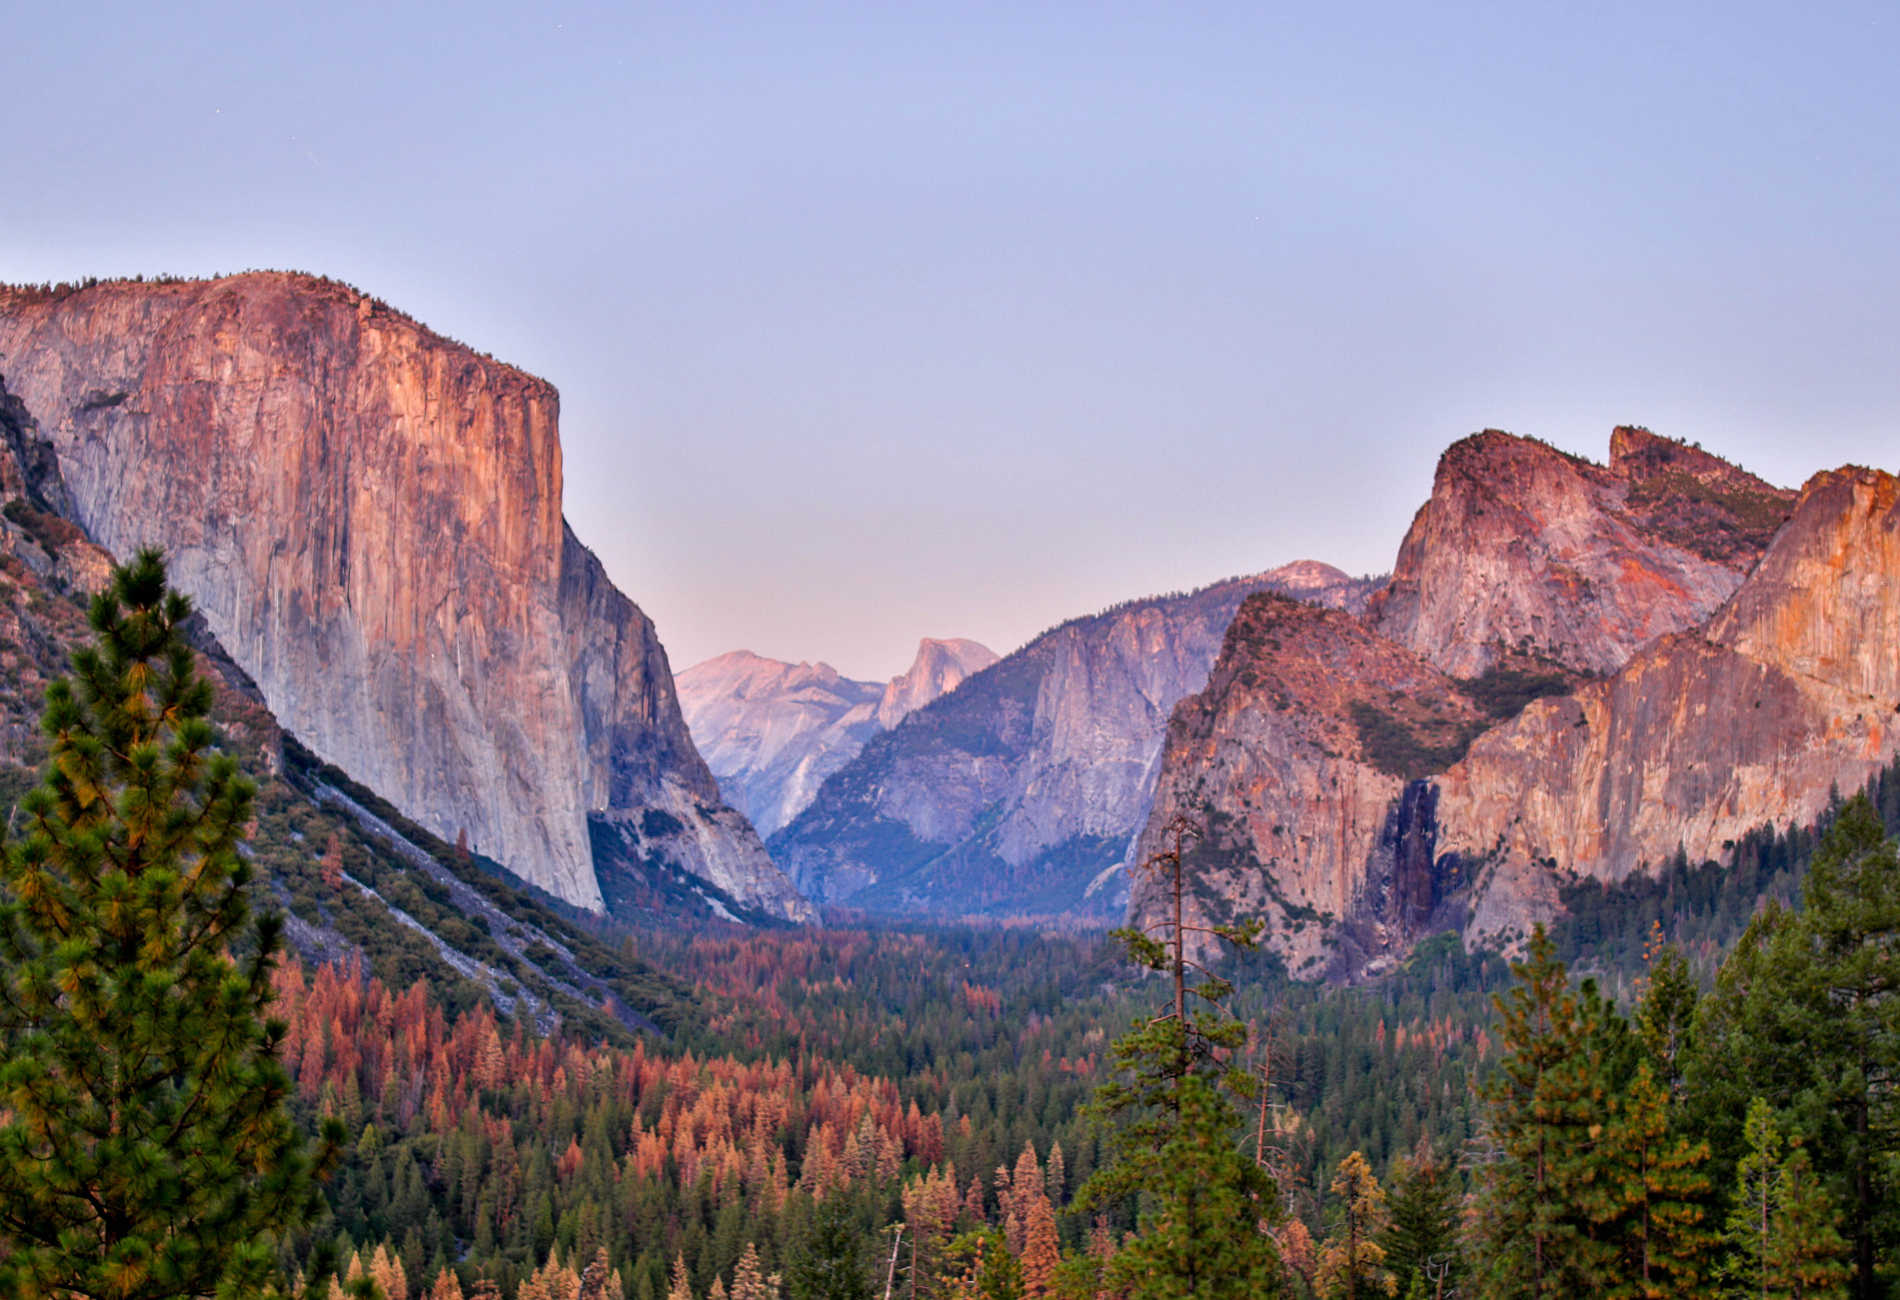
<point x="1172" y="1097"/>
<point x="1666" y="1015"/>
<point x="1422" y="1222"/>
<point x="1806" y="1014"/>
<point x="1781" y="1236"/>
<point x="1547" y="1108"/>
<point x="144" y="1146"/>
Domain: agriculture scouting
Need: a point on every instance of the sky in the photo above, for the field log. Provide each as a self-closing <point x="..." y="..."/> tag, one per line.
<point x="881" y="321"/>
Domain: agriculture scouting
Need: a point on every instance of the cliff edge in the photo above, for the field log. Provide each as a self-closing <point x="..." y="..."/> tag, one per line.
<point x="369" y="517"/>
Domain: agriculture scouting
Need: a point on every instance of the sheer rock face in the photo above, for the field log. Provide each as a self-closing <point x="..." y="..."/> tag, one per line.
<point x="1790" y="691"/>
<point x="773" y="731"/>
<point x="369" y="518"/>
<point x="1302" y="820"/>
<point x="36" y="524"/>
<point x="48" y="570"/>
<point x="1350" y="787"/>
<point x="1523" y="548"/>
<point x="640" y="756"/>
<point x="1019" y="792"/>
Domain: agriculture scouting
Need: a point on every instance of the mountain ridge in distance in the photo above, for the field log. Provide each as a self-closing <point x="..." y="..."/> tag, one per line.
<point x="772" y="731"/>
<point x="1018" y="793"/>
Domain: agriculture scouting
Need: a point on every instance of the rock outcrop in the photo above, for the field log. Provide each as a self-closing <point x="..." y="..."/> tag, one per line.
<point x="939" y="668"/>
<point x="48" y="568"/>
<point x="772" y="731"/>
<point x="1360" y="796"/>
<point x="1524" y="550"/>
<point x="1295" y="759"/>
<point x="369" y="518"/>
<point x="1019" y="792"/>
<point x="1790" y="692"/>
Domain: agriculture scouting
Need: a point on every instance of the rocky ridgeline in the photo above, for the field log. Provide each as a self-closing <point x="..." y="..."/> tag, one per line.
<point x="369" y="518"/>
<point x="773" y="731"/>
<point x="1019" y="792"/>
<point x="1523" y="547"/>
<point x="1577" y="670"/>
<point x="1790" y="691"/>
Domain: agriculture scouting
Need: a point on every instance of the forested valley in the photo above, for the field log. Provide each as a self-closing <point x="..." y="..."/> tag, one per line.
<point x="1683" y="1088"/>
<point x="852" y="1080"/>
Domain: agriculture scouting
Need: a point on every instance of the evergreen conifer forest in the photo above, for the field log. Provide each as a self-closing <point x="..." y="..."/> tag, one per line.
<point x="1685" y="1088"/>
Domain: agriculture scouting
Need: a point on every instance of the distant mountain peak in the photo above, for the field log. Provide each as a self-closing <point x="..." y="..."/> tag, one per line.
<point x="939" y="668"/>
<point x="772" y="731"/>
<point x="1020" y="792"/>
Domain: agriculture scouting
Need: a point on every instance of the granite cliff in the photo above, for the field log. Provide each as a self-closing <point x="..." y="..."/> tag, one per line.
<point x="1791" y="691"/>
<point x="772" y="731"/>
<point x="1525" y="550"/>
<point x="48" y="569"/>
<point x="356" y="881"/>
<point x="939" y="668"/>
<point x="368" y="516"/>
<point x="1018" y="792"/>
<point x="1295" y="759"/>
<point x="1577" y="670"/>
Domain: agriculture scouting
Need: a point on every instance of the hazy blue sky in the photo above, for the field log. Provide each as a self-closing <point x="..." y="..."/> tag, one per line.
<point x="881" y="321"/>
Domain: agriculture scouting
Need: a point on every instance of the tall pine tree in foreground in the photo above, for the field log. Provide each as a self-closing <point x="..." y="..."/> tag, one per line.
<point x="1540" y="1109"/>
<point x="1172" y="1099"/>
<point x="1586" y="1190"/>
<point x="144" y="1146"/>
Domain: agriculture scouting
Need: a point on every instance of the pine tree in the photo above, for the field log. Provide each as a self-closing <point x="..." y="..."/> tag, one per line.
<point x="1020" y="1192"/>
<point x="1171" y="1098"/>
<point x="599" y="1280"/>
<point x="981" y="1268"/>
<point x="1851" y="906"/>
<point x="1546" y="1106"/>
<point x="1806" y="1258"/>
<point x="1806" y="1014"/>
<point x="1649" y="1198"/>
<point x="1056" y="1180"/>
<point x="332" y="864"/>
<point x="388" y="1274"/>
<point x="748" y="1278"/>
<point x="1666" y="1015"/>
<point x="1042" y="1247"/>
<point x="1351" y="1260"/>
<point x="1757" y="1203"/>
<point x="144" y="1146"/>
<point x="680" y="1288"/>
<point x="1422" y="1217"/>
<point x="930" y="1205"/>
<point x="1203" y="1239"/>
<point x="829" y="1261"/>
